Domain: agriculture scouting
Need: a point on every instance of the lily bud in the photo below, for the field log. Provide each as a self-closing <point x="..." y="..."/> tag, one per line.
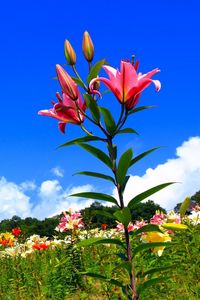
<point x="69" y="53"/>
<point x="88" y="47"/>
<point x="69" y="87"/>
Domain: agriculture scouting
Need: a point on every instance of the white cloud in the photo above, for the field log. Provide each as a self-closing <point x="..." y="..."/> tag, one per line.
<point x="13" y="200"/>
<point x="184" y="169"/>
<point x="28" y="185"/>
<point x="57" y="171"/>
<point x="51" y="198"/>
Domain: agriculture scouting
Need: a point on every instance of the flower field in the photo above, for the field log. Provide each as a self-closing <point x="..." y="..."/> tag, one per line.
<point x="73" y="267"/>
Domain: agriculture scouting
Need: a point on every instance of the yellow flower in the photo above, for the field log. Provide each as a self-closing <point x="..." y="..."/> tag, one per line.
<point x="156" y="237"/>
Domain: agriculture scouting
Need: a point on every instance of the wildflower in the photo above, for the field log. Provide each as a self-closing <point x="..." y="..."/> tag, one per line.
<point x="16" y="231"/>
<point x="40" y="246"/>
<point x="126" y="84"/>
<point x="158" y="218"/>
<point x="70" y="221"/>
<point x="153" y="237"/>
<point x="67" y="111"/>
<point x="104" y="226"/>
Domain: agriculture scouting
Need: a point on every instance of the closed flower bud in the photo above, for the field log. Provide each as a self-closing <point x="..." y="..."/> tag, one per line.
<point x="69" y="53"/>
<point x="68" y="86"/>
<point x="88" y="47"/>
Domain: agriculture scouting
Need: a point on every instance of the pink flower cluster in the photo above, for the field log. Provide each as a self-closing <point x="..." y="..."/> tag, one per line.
<point x="131" y="226"/>
<point x="158" y="219"/>
<point x="70" y="221"/>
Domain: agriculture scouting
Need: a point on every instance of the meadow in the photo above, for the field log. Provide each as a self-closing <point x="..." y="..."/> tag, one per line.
<point x="40" y="268"/>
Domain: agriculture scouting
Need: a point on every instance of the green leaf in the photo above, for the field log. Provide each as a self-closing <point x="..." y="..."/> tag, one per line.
<point x="83" y="139"/>
<point x="150" y="282"/>
<point x="104" y="214"/>
<point x="125" y="183"/>
<point x="97" y="241"/>
<point x="95" y="70"/>
<point x="184" y="206"/>
<point x="174" y="226"/>
<point x="158" y="269"/>
<point x="98" y="153"/>
<point x="137" y="199"/>
<point x="108" y="119"/>
<point x="98" y="196"/>
<point x="98" y="175"/>
<point x="78" y="81"/>
<point x="91" y="103"/>
<point x="139" y="109"/>
<point x="123" y="165"/>
<point x="148" y="228"/>
<point x="147" y="246"/>
<point x="124" y="265"/>
<point x="127" y="130"/>
<point x="123" y="216"/>
<point x="140" y="156"/>
<point x="104" y="278"/>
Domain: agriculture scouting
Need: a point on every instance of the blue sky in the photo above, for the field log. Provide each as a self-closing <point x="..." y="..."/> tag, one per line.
<point x="32" y="34"/>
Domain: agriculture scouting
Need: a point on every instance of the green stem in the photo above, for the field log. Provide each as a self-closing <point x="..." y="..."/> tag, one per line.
<point x="78" y="76"/>
<point x="126" y="233"/>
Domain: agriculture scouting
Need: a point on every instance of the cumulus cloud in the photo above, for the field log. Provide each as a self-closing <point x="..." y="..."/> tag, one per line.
<point x="13" y="200"/>
<point x="28" y="186"/>
<point x="51" y="198"/>
<point x="184" y="169"/>
<point x="57" y="171"/>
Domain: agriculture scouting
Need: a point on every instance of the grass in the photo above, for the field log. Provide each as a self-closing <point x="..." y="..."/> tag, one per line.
<point x="55" y="274"/>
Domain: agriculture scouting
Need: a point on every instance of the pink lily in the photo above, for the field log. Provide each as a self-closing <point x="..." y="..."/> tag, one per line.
<point x="67" y="111"/>
<point x="69" y="87"/>
<point x="126" y="84"/>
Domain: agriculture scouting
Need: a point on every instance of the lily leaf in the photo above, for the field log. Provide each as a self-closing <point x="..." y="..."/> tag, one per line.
<point x="78" y="81"/>
<point x="151" y="282"/>
<point x="137" y="199"/>
<point x="91" y="103"/>
<point x="127" y="130"/>
<point x="124" y="265"/>
<point x="98" y="153"/>
<point x="83" y="139"/>
<point x="97" y="241"/>
<point x="158" y="269"/>
<point x="94" y="174"/>
<point x="108" y="119"/>
<point x="139" y="109"/>
<point x="174" y="226"/>
<point x="104" y="214"/>
<point x="123" y="216"/>
<point x="147" y="246"/>
<point x="184" y="206"/>
<point x="125" y="183"/>
<point x="140" y="156"/>
<point x="99" y="196"/>
<point x="123" y="165"/>
<point x="95" y="70"/>
<point x="148" y="228"/>
<point x="104" y="278"/>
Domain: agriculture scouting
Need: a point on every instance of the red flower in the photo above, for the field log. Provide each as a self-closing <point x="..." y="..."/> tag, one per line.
<point x="16" y="231"/>
<point x="40" y="246"/>
<point x="104" y="226"/>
